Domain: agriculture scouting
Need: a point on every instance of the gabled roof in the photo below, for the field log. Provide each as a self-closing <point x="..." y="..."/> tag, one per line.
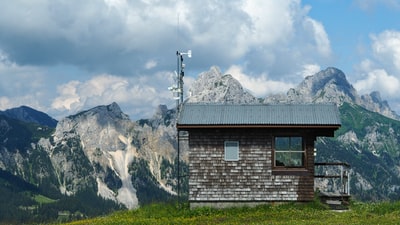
<point x="258" y="115"/>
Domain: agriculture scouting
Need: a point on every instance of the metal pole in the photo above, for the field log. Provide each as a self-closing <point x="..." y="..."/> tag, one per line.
<point x="181" y="75"/>
<point x="178" y="83"/>
<point x="178" y="103"/>
<point x="179" y="173"/>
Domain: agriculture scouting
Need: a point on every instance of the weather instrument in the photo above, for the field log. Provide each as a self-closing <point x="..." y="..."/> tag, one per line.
<point x="177" y="89"/>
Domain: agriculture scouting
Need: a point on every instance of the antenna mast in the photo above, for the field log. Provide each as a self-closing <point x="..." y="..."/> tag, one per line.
<point x="180" y="73"/>
<point x="177" y="91"/>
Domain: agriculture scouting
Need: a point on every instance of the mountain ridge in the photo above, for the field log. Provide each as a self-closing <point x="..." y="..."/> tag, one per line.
<point x="331" y="85"/>
<point x="28" y="114"/>
<point x="134" y="162"/>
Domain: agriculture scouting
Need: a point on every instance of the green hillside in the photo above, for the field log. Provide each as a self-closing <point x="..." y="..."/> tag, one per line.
<point x="290" y="213"/>
<point x="372" y="149"/>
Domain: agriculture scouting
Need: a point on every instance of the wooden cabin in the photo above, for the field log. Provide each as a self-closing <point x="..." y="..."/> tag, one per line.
<point x="253" y="154"/>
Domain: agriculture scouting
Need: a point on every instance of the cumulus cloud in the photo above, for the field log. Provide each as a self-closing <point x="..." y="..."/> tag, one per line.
<point x="120" y="37"/>
<point x="322" y="43"/>
<point x="68" y="97"/>
<point x="386" y="49"/>
<point x="260" y="85"/>
<point x="310" y="69"/>
<point x="116" y="46"/>
<point x="379" y="80"/>
<point x="381" y="71"/>
<point x="384" y="63"/>
<point x="137" y="96"/>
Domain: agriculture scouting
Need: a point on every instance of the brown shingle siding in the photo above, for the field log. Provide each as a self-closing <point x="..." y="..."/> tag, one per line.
<point x="249" y="179"/>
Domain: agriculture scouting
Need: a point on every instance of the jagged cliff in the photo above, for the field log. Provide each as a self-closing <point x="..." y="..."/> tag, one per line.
<point x="110" y="143"/>
<point x="213" y="86"/>
<point x="103" y="150"/>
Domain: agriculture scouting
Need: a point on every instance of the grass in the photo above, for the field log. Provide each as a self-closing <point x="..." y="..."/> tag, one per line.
<point x="43" y="199"/>
<point x="290" y="213"/>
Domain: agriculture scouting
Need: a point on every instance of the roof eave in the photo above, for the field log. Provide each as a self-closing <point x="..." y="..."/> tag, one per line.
<point x="304" y="126"/>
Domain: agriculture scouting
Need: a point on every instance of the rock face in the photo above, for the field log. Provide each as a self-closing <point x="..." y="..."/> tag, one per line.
<point x="96" y="149"/>
<point x="213" y="86"/>
<point x="374" y="103"/>
<point x="100" y="150"/>
<point x="100" y="138"/>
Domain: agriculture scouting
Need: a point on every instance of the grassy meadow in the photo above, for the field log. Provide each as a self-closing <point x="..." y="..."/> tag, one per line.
<point x="288" y="213"/>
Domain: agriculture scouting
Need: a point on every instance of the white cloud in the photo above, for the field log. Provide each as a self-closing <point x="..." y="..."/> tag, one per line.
<point x="150" y="64"/>
<point x="270" y="40"/>
<point x="260" y="85"/>
<point x="379" y="80"/>
<point x="137" y="97"/>
<point x="386" y="48"/>
<point x="68" y="97"/>
<point x="5" y="103"/>
<point x="322" y="43"/>
<point x="310" y="69"/>
<point x="271" y="21"/>
<point x="119" y="36"/>
<point x="381" y="72"/>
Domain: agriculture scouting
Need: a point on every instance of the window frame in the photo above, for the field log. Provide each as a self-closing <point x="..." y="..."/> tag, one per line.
<point x="303" y="151"/>
<point x="228" y="154"/>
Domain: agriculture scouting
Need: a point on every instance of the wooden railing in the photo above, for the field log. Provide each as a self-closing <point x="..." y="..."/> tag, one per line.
<point x="344" y="175"/>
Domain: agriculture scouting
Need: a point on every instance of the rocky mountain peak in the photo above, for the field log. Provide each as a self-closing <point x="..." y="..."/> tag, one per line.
<point x="27" y="114"/>
<point x="213" y="86"/>
<point x="107" y="112"/>
<point x="102" y="135"/>
<point x="327" y="77"/>
<point x="330" y="85"/>
<point x="90" y="125"/>
<point x="374" y="102"/>
<point x="163" y="116"/>
<point x="116" y="110"/>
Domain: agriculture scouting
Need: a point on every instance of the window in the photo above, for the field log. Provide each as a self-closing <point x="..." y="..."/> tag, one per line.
<point x="231" y="150"/>
<point x="289" y="152"/>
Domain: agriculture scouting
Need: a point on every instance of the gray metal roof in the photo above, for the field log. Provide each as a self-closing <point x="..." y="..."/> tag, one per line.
<point x="201" y="114"/>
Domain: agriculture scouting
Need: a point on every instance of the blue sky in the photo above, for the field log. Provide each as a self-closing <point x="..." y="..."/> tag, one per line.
<point x="349" y="25"/>
<point x="65" y="56"/>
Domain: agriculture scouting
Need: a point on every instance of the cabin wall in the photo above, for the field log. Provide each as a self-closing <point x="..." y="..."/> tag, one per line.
<point x="252" y="179"/>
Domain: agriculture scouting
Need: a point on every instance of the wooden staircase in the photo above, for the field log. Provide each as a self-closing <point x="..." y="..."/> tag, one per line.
<point x="336" y="199"/>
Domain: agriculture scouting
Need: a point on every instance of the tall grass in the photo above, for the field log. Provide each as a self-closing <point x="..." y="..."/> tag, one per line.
<point x="288" y="213"/>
